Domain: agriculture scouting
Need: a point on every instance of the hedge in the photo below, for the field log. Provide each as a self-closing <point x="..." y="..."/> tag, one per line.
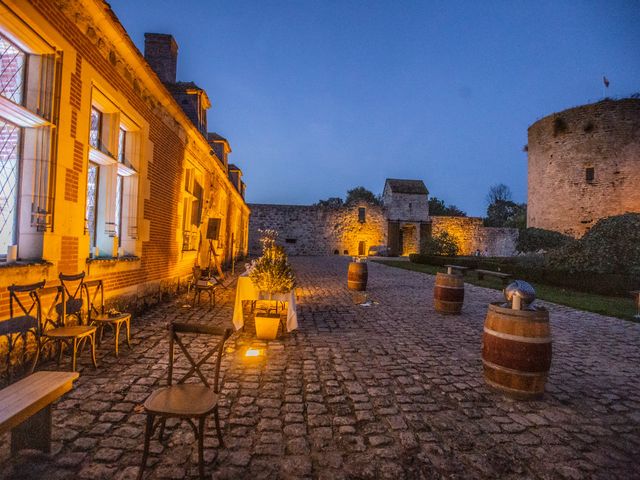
<point x="612" y="284"/>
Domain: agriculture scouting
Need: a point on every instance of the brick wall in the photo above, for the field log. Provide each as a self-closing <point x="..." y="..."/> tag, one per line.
<point x="604" y="136"/>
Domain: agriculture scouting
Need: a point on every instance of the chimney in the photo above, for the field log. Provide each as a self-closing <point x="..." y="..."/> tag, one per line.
<point x="161" y="52"/>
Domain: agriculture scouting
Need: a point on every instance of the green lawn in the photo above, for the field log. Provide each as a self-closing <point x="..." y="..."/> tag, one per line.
<point x="613" y="306"/>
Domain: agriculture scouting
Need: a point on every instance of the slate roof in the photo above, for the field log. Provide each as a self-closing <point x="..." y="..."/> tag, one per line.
<point x="213" y="136"/>
<point x="415" y="187"/>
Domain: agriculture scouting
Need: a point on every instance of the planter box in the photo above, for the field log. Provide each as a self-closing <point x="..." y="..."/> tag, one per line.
<point x="267" y="325"/>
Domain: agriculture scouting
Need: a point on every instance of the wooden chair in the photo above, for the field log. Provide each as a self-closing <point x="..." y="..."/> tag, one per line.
<point x="71" y="304"/>
<point x="24" y="319"/>
<point x="187" y="401"/>
<point x="202" y="282"/>
<point x="101" y="319"/>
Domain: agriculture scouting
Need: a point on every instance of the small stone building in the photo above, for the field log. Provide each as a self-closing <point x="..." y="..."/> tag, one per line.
<point x="406" y="203"/>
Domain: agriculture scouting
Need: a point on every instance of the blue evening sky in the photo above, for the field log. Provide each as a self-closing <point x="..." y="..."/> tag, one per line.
<point x="317" y="97"/>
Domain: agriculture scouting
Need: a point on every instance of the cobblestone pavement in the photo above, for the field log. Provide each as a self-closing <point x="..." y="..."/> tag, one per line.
<point x="388" y="391"/>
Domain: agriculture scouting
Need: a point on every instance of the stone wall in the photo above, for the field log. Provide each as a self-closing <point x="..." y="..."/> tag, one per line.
<point x="472" y="236"/>
<point x="603" y="136"/>
<point x="314" y="230"/>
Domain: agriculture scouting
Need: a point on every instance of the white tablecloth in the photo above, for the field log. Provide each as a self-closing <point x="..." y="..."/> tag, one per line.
<point x="246" y="291"/>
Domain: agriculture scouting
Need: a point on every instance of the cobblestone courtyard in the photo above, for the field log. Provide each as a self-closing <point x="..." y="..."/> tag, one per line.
<point x="388" y="391"/>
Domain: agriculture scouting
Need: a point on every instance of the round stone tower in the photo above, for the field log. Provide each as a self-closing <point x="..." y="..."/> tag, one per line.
<point x="584" y="164"/>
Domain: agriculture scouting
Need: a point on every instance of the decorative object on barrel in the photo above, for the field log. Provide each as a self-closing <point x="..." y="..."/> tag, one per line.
<point x="516" y="344"/>
<point x="271" y="274"/>
<point x="448" y="293"/>
<point x="357" y="275"/>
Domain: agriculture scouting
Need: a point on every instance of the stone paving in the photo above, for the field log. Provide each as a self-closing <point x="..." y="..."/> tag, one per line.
<point x="393" y="390"/>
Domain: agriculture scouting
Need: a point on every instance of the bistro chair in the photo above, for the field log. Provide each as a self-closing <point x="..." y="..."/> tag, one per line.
<point x="187" y="401"/>
<point x="24" y="319"/>
<point x="202" y="282"/>
<point x="67" y="304"/>
<point x="101" y="319"/>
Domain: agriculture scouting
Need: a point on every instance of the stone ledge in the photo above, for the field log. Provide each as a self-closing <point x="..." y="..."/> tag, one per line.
<point x="126" y="258"/>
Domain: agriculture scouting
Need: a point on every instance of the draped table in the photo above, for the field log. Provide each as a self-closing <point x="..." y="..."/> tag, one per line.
<point x="246" y="291"/>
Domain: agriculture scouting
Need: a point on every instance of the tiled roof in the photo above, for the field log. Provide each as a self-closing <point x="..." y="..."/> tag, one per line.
<point x="416" y="187"/>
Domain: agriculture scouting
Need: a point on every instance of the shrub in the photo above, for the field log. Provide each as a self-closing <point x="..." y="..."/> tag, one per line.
<point x="611" y="246"/>
<point x="442" y="244"/>
<point x="534" y="239"/>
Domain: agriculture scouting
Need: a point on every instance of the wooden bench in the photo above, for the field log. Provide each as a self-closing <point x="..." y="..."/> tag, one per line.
<point x="505" y="277"/>
<point x="25" y="408"/>
<point x="451" y="269"/>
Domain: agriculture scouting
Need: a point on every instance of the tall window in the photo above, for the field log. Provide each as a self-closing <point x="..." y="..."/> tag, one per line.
<point x="12" y="75"/>
<point x="362" y="211"/>
<point x="95" y="129"/>
<point x="112" y="204"/>
<point x="28" y="67"/>
<point x="191" y="209"/>
<point x="92" y="201"/>
<point x="9" y="164"/>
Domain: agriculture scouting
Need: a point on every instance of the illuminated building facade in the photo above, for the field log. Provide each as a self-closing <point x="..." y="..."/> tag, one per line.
<point x="106" y="165"/>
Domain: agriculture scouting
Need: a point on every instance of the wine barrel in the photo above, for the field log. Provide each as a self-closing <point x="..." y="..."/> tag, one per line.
<point x="357" y="276"/>
<point x="448" y="293"/>
<point x="516" y="350"/>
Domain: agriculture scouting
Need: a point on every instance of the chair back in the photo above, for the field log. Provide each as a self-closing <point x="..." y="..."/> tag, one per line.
<point x="25" y="314"/>
<point x="73" y="292"/>
<point x="177" y="330"/>
<point x="95" y="297"/>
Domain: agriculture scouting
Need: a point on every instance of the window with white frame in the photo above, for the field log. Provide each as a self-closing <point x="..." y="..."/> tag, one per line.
<point x="112" y="179"/>
<point x="191" y="208"/>
<point x="28" y="68"/>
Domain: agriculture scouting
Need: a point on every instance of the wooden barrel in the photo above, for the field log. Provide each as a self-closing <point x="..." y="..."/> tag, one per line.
<point x="448" y="293"/>
<point x="516" y="350"/>
<point x="357" y="276"/>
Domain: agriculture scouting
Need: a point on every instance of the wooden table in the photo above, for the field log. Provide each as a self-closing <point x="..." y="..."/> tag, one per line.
<point x="246" y="291"/>
<point x="25" y="408"/>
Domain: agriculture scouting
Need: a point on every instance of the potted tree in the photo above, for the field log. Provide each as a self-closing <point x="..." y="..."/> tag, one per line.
<point x="271" y="274"/>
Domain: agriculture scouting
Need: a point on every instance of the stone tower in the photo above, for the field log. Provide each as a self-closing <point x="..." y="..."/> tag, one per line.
<point x="584" y="164"/>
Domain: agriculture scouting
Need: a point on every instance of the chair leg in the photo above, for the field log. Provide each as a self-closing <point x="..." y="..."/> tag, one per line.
<point x="162" y="425"/>
<point x="128" y="322"/>
<point x="37" y="357"/>
<point x="201" y="446"/>
<point x="93" y="350"/>
<point x="75" y="354"/>
<point x="147" y="437"/>
<point x="216" y="418"/>
<point x="61" y="345"/>
<point x="117" y="335"/>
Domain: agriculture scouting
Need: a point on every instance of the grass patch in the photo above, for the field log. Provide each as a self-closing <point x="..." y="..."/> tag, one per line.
<point x="611" y="306"/>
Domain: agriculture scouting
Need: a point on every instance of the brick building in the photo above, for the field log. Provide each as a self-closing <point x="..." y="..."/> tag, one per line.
<point x="106" y="165"/>
<point x="584" y="165"/>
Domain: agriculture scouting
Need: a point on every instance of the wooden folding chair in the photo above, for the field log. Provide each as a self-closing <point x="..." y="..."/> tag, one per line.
<point x="24" y="319"/>
<point x="71" y="293"/>
<point x="101" y="319"/>
<point x="187" y="401"/>
<point x="202" y="282"/>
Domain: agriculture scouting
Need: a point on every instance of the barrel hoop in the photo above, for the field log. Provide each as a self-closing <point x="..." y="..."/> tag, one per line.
<point x="517" y="338"/>
<point x="511" y="371"/>
<point x="514" y="391"/>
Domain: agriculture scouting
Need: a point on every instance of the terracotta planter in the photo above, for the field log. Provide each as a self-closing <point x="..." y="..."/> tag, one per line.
<point x="267" y="325"/>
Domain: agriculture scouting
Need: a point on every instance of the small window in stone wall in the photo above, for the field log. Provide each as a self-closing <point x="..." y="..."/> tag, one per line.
<point x="290" y="240"/>
<point x="362" y="214"/>
<point x="590" y="174"/>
